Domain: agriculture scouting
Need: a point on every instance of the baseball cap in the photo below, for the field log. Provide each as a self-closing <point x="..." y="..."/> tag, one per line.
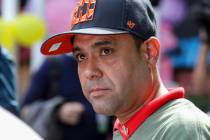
<point x="104" y="17"/>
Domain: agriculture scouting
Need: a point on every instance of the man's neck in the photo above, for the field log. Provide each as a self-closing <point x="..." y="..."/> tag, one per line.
<point x="161" y="91"/>
<point x="157" y="92"/>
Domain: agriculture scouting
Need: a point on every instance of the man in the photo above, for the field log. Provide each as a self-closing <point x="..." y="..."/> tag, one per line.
<point x="7" y="82"/>
<point x="115" y="45"/>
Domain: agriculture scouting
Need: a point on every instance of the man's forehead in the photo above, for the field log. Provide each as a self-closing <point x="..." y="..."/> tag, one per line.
<point x="90" y="37"/>
<point x="80" y="38"/>
<point x="82" y="41"/>
<point x="91" y="40"/>
<point x="91" y="44"/>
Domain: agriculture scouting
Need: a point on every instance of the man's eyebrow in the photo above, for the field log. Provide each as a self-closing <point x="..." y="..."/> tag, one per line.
<point x="75" y="49"/>
<point x="101" y="43"/>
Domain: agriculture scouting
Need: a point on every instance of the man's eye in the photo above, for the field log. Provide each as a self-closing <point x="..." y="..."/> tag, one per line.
<point x="80" y="57"/>
<point x="106" y="51"/>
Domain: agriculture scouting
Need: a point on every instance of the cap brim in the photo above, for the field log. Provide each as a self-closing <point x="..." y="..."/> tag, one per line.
<point x="61" y="43"/>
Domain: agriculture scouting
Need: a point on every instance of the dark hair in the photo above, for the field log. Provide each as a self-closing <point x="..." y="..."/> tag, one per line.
<point x="138" y="41"/>
<point x="72" y="40"/>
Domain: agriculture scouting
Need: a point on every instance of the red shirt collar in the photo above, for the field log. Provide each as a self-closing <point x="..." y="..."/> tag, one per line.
<point x="139" y="117"/>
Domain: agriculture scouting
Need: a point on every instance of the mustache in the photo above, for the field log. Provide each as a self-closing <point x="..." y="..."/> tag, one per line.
<point x="98" y="83"/>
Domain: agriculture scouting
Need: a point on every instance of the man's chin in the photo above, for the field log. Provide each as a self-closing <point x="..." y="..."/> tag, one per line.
<point x="103" y="110"/>
<point x="104" y="113"/>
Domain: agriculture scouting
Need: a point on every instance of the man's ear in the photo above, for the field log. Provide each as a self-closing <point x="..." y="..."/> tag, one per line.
<point x="151" y="49"/>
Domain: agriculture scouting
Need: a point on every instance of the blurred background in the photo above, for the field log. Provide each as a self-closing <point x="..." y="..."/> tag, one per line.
<point x="183" y="30"/>
<point x="24" y="24"/>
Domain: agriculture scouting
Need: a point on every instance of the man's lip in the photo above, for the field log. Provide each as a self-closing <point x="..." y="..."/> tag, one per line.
<point x="98" y="90"/>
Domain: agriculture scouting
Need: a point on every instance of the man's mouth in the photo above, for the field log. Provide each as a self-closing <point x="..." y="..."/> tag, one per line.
<point x="96" y="92"/>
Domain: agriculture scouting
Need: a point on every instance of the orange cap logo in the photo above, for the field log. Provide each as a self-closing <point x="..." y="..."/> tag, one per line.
<point x="83" y="12"/>
<point x="130" y="24"/>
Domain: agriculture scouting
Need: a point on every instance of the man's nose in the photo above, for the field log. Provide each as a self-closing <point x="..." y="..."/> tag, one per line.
<point x="93" y="70"/>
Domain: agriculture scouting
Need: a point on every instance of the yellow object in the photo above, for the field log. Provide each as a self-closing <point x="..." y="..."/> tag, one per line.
<point x="25" y="30"/>
<point x="29" y="29"/>
<point x="7" y="38"/>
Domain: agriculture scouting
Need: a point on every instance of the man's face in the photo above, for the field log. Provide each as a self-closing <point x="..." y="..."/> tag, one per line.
<point x="113" y="74"/>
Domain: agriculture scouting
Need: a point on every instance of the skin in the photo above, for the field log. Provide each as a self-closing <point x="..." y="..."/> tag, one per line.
<point x="71" y="112"/>
<point x="201" y="74"/>
<point x="117" y="77"/>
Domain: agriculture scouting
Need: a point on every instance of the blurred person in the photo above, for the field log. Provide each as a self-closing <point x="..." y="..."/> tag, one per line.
<point x="7" y="82"/>
<point x="201" y="75"/>
<point x="11" y="127"/>
<point x="169" y="41"/>
<point x="202" y="71"/>
<point x="115" y="45"/>
<point x="55" y="107"/>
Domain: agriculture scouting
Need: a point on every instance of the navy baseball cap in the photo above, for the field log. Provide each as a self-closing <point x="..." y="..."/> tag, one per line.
<point x="105" y="17"/>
